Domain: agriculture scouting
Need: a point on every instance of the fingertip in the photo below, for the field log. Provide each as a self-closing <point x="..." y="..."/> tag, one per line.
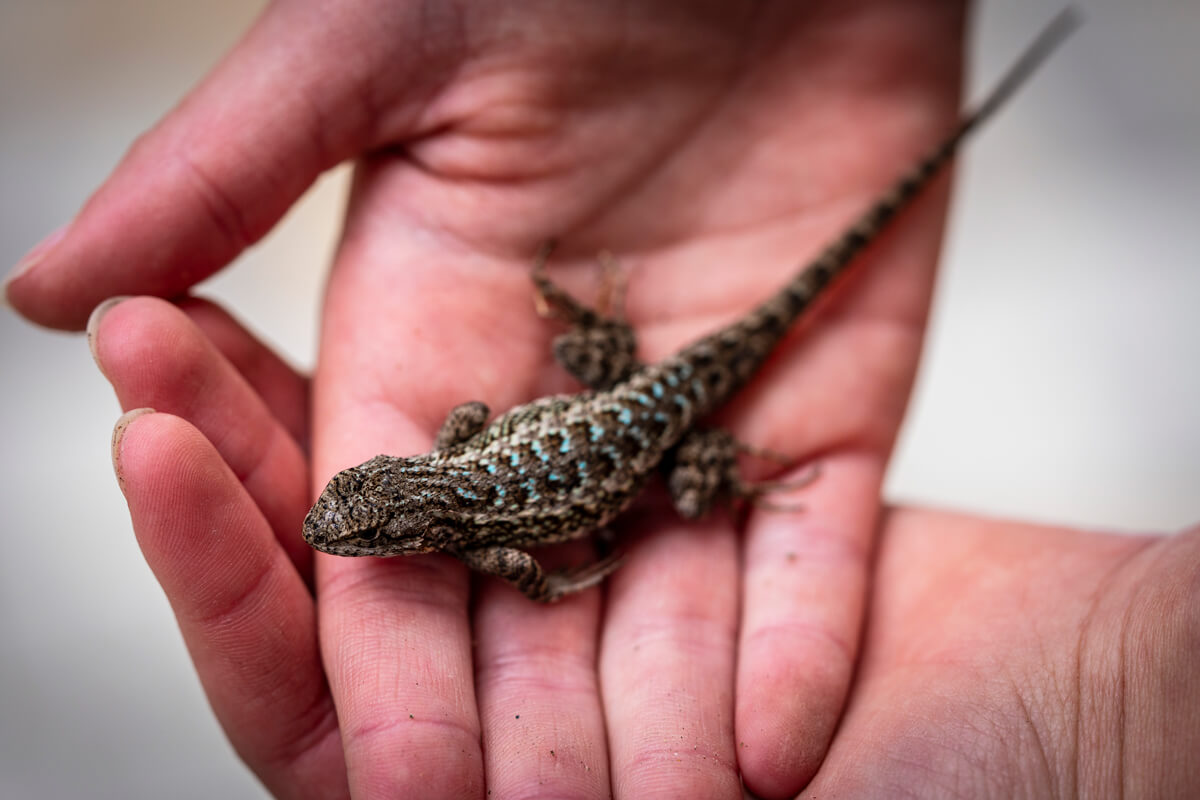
<point x="118" y="437"/>
<point x="176" y="483"/>
<point x="150" y="353"/>
<point x="806" y="578"/>
<point x="783" y="734"/>
<point x="29" y="261"/>
<point x="167" y="469"/>
<point x="93" y="327"/>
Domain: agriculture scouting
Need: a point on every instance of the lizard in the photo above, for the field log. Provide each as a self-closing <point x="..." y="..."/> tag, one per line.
<point x="563" y="466"/>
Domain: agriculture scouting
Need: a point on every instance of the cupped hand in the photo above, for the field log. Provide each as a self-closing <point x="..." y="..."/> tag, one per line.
<point x="998" y="659"/>
<point x="713" y="147"/>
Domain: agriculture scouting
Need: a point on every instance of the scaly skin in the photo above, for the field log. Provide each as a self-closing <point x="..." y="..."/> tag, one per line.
<point x="563" y="466"/>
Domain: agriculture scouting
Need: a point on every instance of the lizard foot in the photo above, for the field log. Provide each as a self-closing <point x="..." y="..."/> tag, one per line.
<point x="564" y="582"/>
<point x="599" y="348"/>
<point x="705" y="469"/>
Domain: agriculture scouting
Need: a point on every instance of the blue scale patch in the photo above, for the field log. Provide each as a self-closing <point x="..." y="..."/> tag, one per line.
<point x="466" y="494"/>
<point x="536" y="447"/>
<point x="531" y="489"/>
<point x="671" y="379"/>
<point x="625" y="416"/>
<point x="595" y="432"/>
<point x="514" y="459"/>
<point x="490" y="467"/>
<point x="685" y="371"/>
<point x="681" y="401"/>
<point x="698" y="388"/>
<point x="656" y="389"/>
<point x="642" y="399"/>
<point x="661" y="417"/>
<point x="565" y="447"/>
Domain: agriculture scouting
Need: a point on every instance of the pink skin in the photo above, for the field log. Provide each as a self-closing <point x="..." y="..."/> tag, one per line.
<point x="729" y="139"/>
<point x="735" y="140"/>
<point x="998" y="659"/>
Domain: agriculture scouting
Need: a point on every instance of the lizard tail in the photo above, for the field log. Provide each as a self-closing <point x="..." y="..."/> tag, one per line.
<point x="742" y="347"/>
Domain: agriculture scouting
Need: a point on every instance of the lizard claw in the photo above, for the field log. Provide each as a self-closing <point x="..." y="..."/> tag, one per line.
<point x="569" y="581"/>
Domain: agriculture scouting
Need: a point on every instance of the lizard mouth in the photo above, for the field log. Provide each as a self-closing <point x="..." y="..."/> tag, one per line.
<point x="327" y="531"/>
<point x="322" y="535"/>
<point x="369" y="544"/>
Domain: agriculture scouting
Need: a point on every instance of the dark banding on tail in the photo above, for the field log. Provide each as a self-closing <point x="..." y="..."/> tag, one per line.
<point x="742" y="347"/>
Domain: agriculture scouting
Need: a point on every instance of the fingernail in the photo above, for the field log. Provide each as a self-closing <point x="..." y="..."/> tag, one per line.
<point x="33" y="258"/>
<point x="93" y="325"/>
<point x="117" y="434"/>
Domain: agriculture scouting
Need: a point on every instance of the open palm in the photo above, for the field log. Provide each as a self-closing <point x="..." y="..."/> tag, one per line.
<point x="713" y="147"/>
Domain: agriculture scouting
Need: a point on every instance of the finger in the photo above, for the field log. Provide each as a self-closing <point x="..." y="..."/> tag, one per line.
<point x="400" y="658"/>
<point x="667" y="663"/>
<point x="218" y="171"/>
<point x="398" y="639"/>
<point x="245" y="614"/>
<point x="539" y="697"/>
<point x="282" y="388"/>
<point x="155" y="357"/>
<point x="805" y="585"/>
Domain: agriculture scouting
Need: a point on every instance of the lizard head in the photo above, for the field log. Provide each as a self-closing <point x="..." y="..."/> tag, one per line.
<point x="364" y="511"/>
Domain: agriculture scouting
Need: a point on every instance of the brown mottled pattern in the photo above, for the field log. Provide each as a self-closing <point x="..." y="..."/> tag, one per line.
<point x="560" y="467"/>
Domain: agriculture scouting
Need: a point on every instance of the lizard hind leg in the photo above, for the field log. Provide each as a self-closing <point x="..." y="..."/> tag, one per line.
<point x="599" y="348"/>
<point x="563" y="582"/>
<point x="704" y="469"/>
<point x="753" y="492"/>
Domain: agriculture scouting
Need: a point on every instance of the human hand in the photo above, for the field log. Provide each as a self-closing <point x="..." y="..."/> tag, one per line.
<point x="753" y="135"/>
<point x="1011" y="660"/>
<point x="1001" y="657"/>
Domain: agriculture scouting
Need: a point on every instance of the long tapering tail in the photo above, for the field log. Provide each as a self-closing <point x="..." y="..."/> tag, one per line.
<point x="740" y="349"/>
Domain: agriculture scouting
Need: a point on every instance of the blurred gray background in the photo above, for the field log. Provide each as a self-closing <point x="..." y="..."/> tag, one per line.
<point x="1061" y="381"/>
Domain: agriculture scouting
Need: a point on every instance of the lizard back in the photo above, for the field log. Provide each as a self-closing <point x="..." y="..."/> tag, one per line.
<point x="561" y="466"/>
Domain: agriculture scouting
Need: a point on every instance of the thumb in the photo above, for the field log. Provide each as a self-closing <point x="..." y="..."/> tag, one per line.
<point x="219" y="170"/>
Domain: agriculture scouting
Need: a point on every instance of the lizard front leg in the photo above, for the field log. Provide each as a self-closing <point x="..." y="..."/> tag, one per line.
<point x="463" y="422"/>
<point x="599" y="349"/>
<point x="523" y="571"/>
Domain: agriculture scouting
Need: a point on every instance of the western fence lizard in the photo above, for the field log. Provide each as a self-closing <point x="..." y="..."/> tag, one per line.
<point x="563" y="466"/>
